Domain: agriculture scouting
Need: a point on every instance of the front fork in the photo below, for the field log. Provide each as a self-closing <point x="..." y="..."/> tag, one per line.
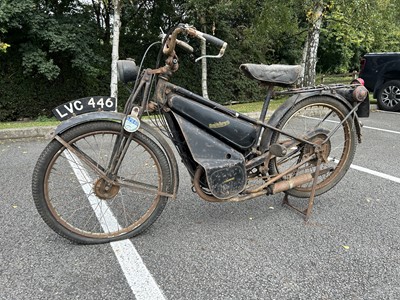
<point x="121" y="146"/>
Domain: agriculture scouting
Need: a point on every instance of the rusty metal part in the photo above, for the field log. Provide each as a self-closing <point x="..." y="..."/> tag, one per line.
<point x="170" y="44"/>
<point x="285" y="185"/>
<point x="141" y="187"/>
<point x="191" y="31"/>
<point x="322" y="150"/>
<point x="307" y="212"/>
<point x="86" y="160"/>
<point x="288" y="171"/>
<point x="104" y="190"/>
<point x="318" y="88"/>
<point x="360" y="93"/>
<point x="151" y="106"/>
<point x="261" y="162"/>
<point x="281" y="186"/>
<point x="171" y="65"/>
<point x="278" y="150"/>
<point x="161" y="70"/>
<point x="196" y="183"/>
<point x="102" y="175"/>
<point x="199" y="190"/>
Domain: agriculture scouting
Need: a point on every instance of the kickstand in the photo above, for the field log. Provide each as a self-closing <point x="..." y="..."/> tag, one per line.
<point x="306" y="212"/>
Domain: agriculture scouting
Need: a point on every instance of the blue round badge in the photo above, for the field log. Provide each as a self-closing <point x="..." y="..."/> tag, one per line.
<point x="131" y="123"/>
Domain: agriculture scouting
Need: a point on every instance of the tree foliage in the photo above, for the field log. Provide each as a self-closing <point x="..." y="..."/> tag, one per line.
<point x="52" y="51"/>
<point x="355" y="27"/>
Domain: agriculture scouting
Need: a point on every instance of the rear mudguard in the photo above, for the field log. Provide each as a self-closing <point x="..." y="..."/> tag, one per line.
<point x="288" y="104"/>
<point x="145" y="128"/>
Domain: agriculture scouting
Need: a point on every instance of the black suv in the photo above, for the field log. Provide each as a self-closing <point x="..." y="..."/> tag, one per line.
<point x="381" y="73"/>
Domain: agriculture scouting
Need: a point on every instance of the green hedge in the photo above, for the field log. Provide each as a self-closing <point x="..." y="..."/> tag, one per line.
<point x="24" y="96"/>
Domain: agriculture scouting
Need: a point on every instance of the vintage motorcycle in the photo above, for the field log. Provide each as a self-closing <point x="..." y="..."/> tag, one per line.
<point x="107" y="176"/>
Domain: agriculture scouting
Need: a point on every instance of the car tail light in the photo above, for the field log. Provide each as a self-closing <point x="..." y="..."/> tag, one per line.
<point x="358" y="81"/>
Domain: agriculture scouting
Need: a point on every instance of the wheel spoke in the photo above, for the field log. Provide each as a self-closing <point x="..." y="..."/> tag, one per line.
<point x="314" y="119"/>
<point x="89" y="207"/>
<point x="106" y="218"/>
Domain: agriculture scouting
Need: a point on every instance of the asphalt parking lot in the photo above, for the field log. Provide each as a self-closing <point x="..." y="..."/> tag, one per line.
<point x="258" y="249"/>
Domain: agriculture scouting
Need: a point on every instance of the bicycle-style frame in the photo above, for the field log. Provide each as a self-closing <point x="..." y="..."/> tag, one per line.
<point x="239" y="143"/>
<point x="107" y="176"/>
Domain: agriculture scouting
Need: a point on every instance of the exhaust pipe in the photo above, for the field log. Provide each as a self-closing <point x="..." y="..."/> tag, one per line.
<point x="285" y="185"/>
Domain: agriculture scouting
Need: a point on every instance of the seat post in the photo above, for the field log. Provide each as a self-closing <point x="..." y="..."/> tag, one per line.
<point x="268" y="97"/>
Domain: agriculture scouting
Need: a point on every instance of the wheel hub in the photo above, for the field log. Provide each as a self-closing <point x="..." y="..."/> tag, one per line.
<point x="105" y="190"/>
<point x="323" y="150"/>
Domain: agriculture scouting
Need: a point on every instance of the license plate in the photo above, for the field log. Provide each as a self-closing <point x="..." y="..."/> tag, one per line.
<point x="84" y="105"/>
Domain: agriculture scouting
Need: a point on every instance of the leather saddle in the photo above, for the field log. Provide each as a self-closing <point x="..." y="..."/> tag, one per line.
<point x="282" y="75"/>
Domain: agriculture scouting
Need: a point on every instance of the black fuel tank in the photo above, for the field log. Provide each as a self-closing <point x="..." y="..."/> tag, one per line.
<point x="231" y="130"/>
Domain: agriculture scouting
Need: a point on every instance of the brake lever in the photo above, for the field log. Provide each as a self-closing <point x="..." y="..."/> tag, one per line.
<point x="204" y="38"/>
<point x="220" y="54"/>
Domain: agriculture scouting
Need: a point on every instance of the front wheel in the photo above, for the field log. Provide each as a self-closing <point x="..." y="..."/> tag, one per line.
<point x="389" y="96"/>
<point x="315" y="119"/>
<point x="76" y="201"/>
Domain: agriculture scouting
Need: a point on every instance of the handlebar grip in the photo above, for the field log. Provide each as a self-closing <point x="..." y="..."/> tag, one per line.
<point x="184" y="46"/>
<point x="212" y="39"/>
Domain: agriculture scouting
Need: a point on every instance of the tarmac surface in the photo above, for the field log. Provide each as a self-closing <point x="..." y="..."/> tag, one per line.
<point x="257" y="249"/>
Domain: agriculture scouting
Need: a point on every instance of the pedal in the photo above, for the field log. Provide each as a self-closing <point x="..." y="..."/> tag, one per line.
<point x="278" y="150"/>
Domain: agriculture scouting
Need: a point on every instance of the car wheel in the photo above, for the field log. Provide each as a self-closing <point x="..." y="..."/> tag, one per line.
<point x="389" y="96"/>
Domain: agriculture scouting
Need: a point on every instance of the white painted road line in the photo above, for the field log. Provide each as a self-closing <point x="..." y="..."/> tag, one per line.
<point x="371" y="172"/>
<point x="375" y="173"/>
<point x="380" y="129"/>
<point x="136" y="273"/>
<point x="366" y="127"/>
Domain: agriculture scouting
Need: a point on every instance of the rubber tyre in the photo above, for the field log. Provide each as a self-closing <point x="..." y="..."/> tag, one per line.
<point x="54" y="155"/>
<point x="389" y="96"/>
<point x="288" y="124"/>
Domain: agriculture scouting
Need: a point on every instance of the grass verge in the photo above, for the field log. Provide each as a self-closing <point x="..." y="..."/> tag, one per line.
<point x="242" y="108"/>
<point x="27" y="124"/>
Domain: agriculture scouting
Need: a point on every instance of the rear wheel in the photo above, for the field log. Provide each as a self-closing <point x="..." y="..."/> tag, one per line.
<point x="314" y="119"/>
<point x="77" y="203"/>
<point x="389" y="96"/>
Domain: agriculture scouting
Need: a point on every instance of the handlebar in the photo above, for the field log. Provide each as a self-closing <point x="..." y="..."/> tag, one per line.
<point x="182" y="44"/>
<point x="212" y="39"/>
<point x="169" y="47"/>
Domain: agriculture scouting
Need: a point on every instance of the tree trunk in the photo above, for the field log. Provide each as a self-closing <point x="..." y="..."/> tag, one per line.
<point x="97" y="11"/>
<point x="204" y="88"/>
<point x="115" y="47"/>
<point x="311" y="46"/>
<point x="107" y="17"/>
<point x="204" y="70"/>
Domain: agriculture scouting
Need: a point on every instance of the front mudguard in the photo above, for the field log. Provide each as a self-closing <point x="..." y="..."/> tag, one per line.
<point x="289" y="103"/>
<point x="145" y="129"/>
